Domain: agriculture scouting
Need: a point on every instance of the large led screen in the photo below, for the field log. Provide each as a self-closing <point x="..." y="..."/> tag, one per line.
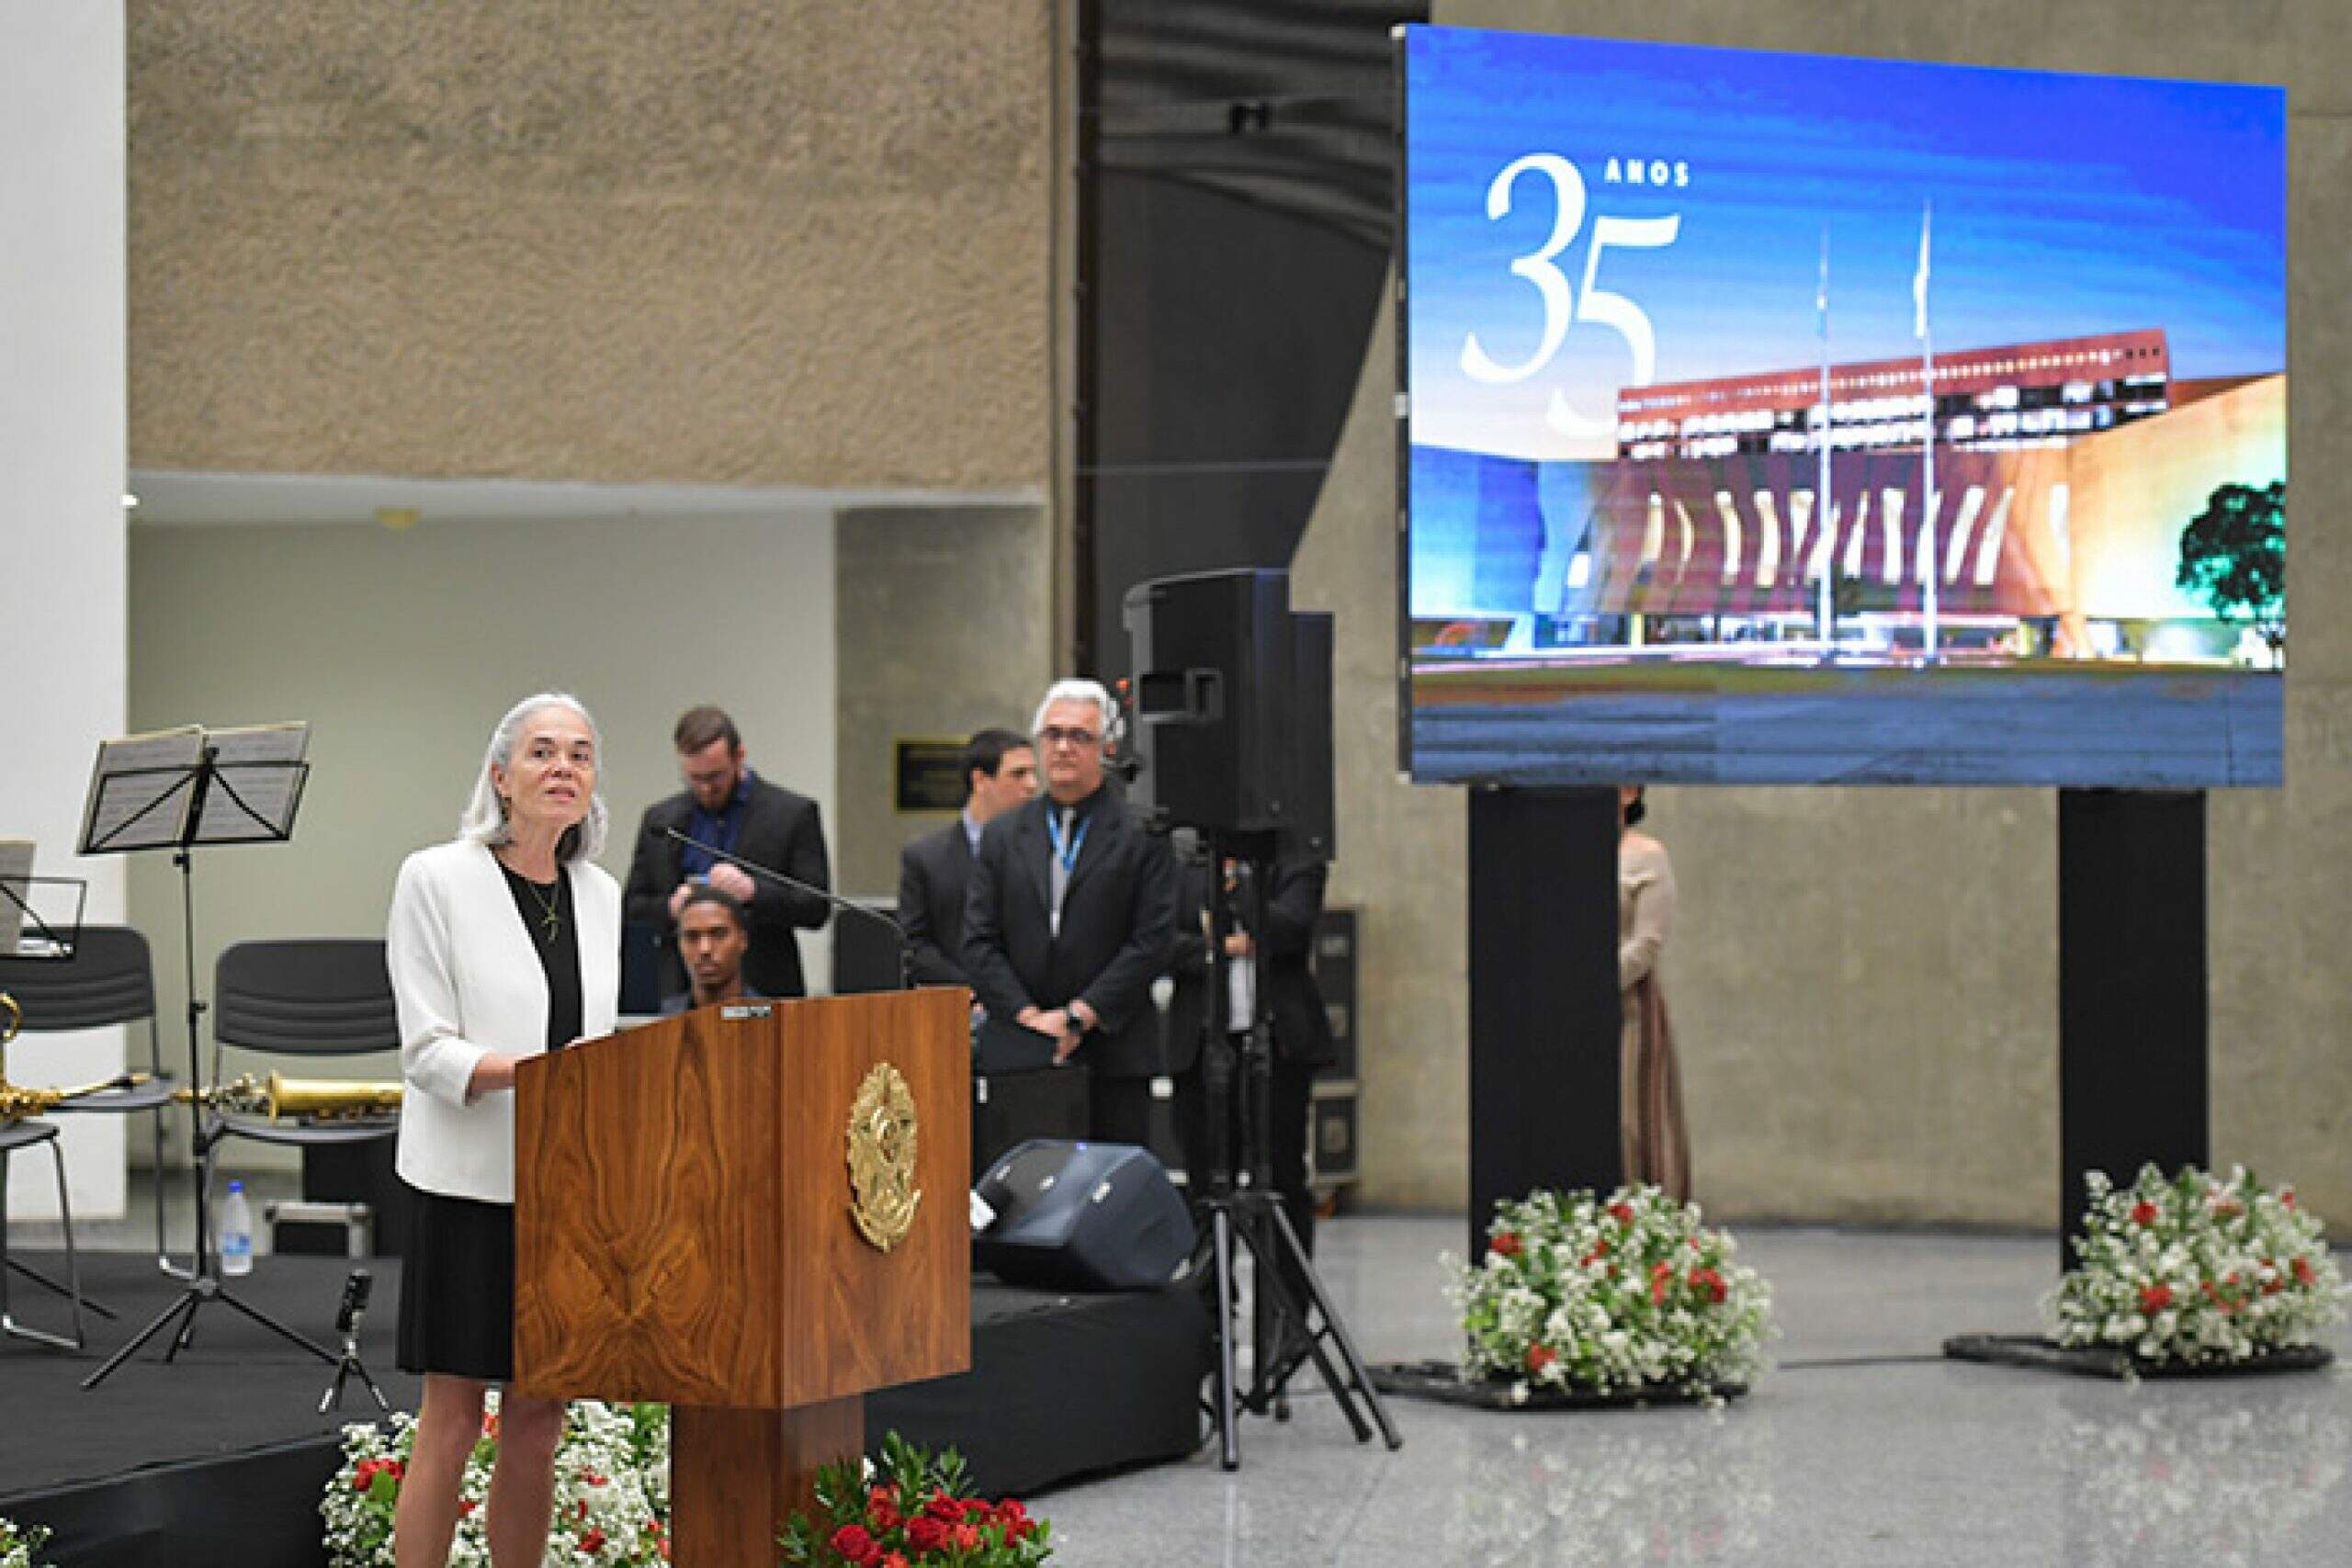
<point x="1774" y="419"/>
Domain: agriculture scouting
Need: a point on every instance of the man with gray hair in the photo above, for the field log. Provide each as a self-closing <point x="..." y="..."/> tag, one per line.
<point x="1069" y="913"/>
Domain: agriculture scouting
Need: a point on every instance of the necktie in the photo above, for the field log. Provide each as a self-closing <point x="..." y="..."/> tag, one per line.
<point x="1061" y="865"/>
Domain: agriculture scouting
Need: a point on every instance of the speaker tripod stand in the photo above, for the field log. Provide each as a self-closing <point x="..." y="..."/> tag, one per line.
<point x="1294" y="1320"/>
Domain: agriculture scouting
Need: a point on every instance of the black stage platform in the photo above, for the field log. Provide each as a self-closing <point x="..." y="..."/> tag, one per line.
<point x="221" y="1457"/>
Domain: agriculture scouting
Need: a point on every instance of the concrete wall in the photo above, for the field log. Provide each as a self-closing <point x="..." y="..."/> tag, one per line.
<point x="60" y="509"/>
<point x="1865" y="982"/>
<point x="404" y="649"/>
<point x="946" y="628"/>
<point x="761" y="241"/>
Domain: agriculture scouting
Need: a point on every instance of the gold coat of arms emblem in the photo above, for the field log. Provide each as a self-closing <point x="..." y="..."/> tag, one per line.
<point x="883" y="1195"/>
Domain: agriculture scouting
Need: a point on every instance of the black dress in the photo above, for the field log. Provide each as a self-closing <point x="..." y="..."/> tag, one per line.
<point x="457" y="1280"/>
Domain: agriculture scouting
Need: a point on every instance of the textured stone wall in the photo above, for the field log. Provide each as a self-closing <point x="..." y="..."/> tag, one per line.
<point x="1865" y="982"/>
<point x="773" y="241"/>
<point x="944" y="628"/>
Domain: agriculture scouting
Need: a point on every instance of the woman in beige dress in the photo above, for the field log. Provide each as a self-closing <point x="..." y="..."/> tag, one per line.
<point x="1657" y="1149"/>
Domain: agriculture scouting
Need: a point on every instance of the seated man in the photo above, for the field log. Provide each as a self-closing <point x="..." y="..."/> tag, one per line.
<point x="713" y="935"/>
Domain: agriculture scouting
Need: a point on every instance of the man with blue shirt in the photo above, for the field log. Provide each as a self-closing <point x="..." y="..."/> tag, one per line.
<point x="727" y="806"/>
<point x="999" y="774"/>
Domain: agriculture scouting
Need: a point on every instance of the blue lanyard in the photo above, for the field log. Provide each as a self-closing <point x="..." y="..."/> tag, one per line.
<point x="1069" y="852"/>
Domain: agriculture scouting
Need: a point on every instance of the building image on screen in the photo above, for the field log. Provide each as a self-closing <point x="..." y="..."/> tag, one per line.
<point x="1781" y="419"/>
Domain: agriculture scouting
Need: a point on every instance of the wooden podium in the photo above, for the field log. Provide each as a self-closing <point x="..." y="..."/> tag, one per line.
<point x="688" y="1228"/>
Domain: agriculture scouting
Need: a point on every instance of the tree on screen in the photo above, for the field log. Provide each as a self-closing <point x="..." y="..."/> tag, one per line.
<point x="2233" y="555"/>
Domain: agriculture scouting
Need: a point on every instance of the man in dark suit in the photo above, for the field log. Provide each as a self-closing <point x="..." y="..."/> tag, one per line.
<point x="999" y="774"/>
<point x="1301" y="1028"/>
<point x="1067" y="920"/>
<point x="726" y="805"/>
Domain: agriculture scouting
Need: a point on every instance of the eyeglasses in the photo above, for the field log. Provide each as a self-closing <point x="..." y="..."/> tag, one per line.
<point x="1055" y="735"/>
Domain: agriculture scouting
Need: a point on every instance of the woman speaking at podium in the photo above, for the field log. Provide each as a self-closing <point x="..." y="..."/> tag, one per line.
<point x="502" y="943"/>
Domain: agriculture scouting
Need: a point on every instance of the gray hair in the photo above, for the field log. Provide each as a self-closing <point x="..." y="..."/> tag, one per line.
<point x="1077" y="691"/>
<point x="485" y="822"/>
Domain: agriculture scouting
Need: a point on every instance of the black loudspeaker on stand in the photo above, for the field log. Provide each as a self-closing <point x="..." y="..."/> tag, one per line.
<point x="1233" y="732"/>
<point x="1233" y="710"/>
<point x="1294" y="1320"/>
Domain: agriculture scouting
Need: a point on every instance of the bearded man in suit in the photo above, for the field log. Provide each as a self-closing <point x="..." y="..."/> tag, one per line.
<point x="726" y="805"/>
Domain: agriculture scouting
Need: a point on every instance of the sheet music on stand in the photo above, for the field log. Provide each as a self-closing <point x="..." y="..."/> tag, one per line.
<point x="262" y="766"/>
<point x="173" y="788"/>
<point x="35" y="921"/>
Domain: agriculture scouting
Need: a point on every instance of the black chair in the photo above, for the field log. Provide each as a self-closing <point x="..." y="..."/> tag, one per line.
<point x="313" y="998"/>
<point x="317" y="997"/>
<point x="25" y="1134"/>
<point x="109" y="980"/>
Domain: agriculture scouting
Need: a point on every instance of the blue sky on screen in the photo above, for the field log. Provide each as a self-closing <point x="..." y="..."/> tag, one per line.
<point x="2065" y="206"/>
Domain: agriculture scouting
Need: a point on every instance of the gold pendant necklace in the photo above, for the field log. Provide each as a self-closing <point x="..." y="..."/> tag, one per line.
<point x="550" y="908"/>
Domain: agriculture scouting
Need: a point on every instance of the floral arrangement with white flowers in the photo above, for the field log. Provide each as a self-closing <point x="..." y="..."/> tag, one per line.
<point x="1629" y="1293"/>
<point x="18" y="1542"/>
<point x="2196" y="1270"/>
<point x="612" y="1490"/>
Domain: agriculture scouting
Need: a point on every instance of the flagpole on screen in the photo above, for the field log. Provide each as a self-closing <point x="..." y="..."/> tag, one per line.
<point x="1825" y="546"/>
<point x="1928" y="568"/>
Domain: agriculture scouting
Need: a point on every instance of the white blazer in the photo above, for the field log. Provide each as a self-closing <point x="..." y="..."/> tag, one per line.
<point x="467" y="981"/>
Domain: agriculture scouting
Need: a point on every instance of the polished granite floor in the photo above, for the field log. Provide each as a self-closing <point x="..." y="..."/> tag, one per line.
<point x="1863" y="1446"/>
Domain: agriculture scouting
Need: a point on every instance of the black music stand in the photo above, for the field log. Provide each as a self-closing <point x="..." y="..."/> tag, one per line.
<point x="37" y="935"/>
<point x="180" y="791"/>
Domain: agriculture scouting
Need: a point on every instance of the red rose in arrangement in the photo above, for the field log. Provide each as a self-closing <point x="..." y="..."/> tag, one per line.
<point x="1540" y="1356"/>
<point x="593" y="1542"/>
<point x="853" y="1541"/>
<point x="966" y="1537"/>
<point x="1505" y="1244"/>
<point x="2303" y="1271"/>
<point x="1622" y="1213"/>
<point x="2143" y="1212"/>
<point x="1708" y="1283"/>
<point x="925" y="1534"/>
<point x="2156" y="1298"/>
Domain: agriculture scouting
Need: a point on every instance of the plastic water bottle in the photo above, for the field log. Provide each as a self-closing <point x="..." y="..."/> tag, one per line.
<point x="236" y="1232"/>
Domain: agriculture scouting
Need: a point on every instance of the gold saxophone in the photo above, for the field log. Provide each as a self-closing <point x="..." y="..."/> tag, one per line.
<point x="281" y="1099"/>
<point x="278" y="1096"/>
<point x="21" y="1100"/>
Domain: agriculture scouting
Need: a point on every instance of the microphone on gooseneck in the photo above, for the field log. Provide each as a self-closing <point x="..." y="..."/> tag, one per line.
<point x="897" y="931"/>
